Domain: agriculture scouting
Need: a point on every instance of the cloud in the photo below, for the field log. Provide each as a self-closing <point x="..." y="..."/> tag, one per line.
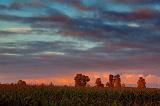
<point x="2" y="6"/>
<point x="17" y="30"/>
<point x="137" y="1"/>
<point x="137" y="14"/>
<point x="78" y="4"/>
<point x="9" y="54"/>
<point x="19" y="5"/>
<point x="145" y="14"/>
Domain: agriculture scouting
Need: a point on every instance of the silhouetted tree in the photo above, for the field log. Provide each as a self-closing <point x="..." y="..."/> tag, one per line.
<point x="51" y="84"/>
<point x="110" y="84"/>
<point x="81" y="80"/>
<point x="21" y="83"/>
<point x="114" y="81"/>
<point x="99" y="83"/>
<point x="141" y="83"/>
<point x="117" y="81"/>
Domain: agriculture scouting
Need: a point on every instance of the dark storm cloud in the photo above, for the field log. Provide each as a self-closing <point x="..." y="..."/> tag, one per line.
<point x="139" y="14"/>
<point x="5" y="33"/>
<point x="21" y="5"/>
<point x="82" y="62"/>
<point x="56" y="17"/>
<point x="86" y="26"/>
<point x="137" y="1"/>
<point x="35" y="47"/>
<point x="3" y="6"/>
<point x="77" y="4"/>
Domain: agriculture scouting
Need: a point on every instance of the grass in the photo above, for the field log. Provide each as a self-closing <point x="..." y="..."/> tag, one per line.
<point x="11" y="95"/>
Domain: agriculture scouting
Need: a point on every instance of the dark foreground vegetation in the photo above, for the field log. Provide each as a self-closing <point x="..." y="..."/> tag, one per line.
<point x="14" y="95"/>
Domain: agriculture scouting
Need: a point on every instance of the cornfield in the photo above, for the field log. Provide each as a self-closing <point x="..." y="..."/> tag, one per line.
<point x="11" y="95"/>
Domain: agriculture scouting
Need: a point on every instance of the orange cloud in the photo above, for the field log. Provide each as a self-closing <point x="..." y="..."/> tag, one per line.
<point x="69" y="79"/>
<point x="130" y="78"/>
<point x="60" y="80"/>
<point x="127" y="78"/>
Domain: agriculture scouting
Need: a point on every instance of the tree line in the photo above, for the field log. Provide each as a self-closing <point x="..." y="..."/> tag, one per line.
<point x="82" y="80"/>
<point x="114" y="81"/>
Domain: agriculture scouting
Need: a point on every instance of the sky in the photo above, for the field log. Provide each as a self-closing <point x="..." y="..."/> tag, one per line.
<point x="53" y="40"/>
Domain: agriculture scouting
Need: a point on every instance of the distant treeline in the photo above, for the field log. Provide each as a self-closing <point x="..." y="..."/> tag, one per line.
<point x="82" y="80"/>
<point x="114" y="81"/>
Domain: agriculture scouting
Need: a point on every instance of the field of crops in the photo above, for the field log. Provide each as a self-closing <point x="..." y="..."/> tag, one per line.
<point x="69" y="96"/>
